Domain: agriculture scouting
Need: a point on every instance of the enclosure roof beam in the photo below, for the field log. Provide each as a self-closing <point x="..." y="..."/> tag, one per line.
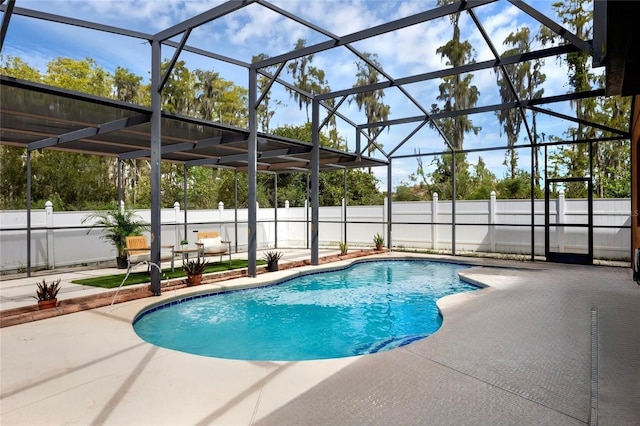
<point x="292" y="158"/>
<point x="202" y="162"/>
<point x="185" y="146"/>
<point x="504" y="72"/>
<point x="78" y="22"/>
<point x="88" y="132"/>
<point x="279" y="153"/>
<point x="580" y="121"/>
<point x="501" y="148"/>
<point x="276" y="153"/>
<point x="409" y="136"/>
<point x="332" y="111"/>
<point x="308" y="95"/>
<point x="272" y="80"/>
<point x="553" y="26"/>
<point x="351" y="48"/>
<point x="8" y="11"/>
<point x="368" y="61"/>
<point x="297" y="19"/>
<point x="372" y="140"/>
<point x="118" y="31"/>
<point x="477" y="66"/>
<point x="174" y="59"/>
<point x="405" y="120"/>
<point x="203" y="18"/>
<point x="488" y="108"/>
<point x="408" y="21"/>
<point x="166" y="149"/>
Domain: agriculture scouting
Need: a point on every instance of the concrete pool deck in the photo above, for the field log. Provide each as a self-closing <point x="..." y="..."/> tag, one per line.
<point x="543" y="344"/>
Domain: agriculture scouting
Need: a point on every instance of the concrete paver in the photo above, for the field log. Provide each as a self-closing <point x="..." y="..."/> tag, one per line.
<point x="520" y="351"/>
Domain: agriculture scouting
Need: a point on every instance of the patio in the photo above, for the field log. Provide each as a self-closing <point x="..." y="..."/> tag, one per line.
<point x="544" y="344"/>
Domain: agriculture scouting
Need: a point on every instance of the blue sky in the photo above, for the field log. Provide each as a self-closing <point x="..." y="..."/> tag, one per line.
<point x="256" y="29"/>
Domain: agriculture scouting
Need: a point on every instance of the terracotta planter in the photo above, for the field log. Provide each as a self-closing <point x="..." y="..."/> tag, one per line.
<point x="378" y="247"/>
<point x="272" y="266"/>
<point x="47" y="304"/>
<point x="194" y="279"/>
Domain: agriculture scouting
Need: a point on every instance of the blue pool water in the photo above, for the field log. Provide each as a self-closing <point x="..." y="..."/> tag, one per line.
<point x="366" y="308"/>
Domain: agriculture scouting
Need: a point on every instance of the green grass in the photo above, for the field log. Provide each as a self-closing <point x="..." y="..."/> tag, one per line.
<point x="113" y="281"/>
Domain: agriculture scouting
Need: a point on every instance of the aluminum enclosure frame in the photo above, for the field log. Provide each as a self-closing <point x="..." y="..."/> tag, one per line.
<point x="187" y="151"/>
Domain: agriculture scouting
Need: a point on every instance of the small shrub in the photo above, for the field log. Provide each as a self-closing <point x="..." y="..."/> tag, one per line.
<point x="195" y="267"/>
<point x="344" y="248"/>
<point x="272" y="256"/>
<point x="47" y="291"/>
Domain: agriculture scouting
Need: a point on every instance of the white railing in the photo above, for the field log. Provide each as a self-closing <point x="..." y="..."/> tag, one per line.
<point x="495" y="226"/>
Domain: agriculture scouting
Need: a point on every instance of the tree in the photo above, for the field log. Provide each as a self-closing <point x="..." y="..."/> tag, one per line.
<point x="574" y="158"/>
<point x="362" y="188"/>
<point x="520" y="82"/>
<point x="442" y="177"/>
<point x="482" y="182"/>
<point x="83" y="76"/>
<point x="306" y="78"/>
<point x="264" y="112"/>
<point x="610" y="159"/>
<point x="226" y="189"/>
<point x="75" y="181"/>
<point x="13" y="183"/>
<point x="612" y="174"/>
<point x="456" y="91"/>
<point x="69" y="180"/>
<point x="178" y="95"/>
<point x="420" y="175"/>
<point x="217" y="99"/>
<point x="406" y="193"/>
<point x="15" y="67"/>
<point x="372" y="101"/>
<point x="517" y="187"/>
<point x="128" y="86"/>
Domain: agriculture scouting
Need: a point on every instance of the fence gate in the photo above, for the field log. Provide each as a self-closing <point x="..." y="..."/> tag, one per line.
<point x="568" y="238"/>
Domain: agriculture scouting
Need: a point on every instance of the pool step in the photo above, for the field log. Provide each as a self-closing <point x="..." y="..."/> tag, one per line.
<point x="390" y="343"/>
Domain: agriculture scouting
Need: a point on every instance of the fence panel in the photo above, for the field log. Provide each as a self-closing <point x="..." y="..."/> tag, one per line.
<point x="499" y="226"/>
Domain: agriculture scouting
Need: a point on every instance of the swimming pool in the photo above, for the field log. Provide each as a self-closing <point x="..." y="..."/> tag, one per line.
<point x="368" y="307"/>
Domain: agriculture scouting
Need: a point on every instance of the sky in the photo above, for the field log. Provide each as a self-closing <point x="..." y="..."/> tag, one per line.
<point x="256" y="29"/>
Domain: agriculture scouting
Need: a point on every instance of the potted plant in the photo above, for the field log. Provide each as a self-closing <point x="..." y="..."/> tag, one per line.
<point x="344" y="248"/>
<point x="184" y="243"/>
<point x="272" y="258"/>
<point x="47" y="293"/>
<point x="117" y="226"/>
<point x="194" y="270"/>
<point x="378" y="240"/>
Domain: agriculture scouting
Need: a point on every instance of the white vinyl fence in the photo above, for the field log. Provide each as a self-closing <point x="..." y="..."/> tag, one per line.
<point x="495" y="226"/>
